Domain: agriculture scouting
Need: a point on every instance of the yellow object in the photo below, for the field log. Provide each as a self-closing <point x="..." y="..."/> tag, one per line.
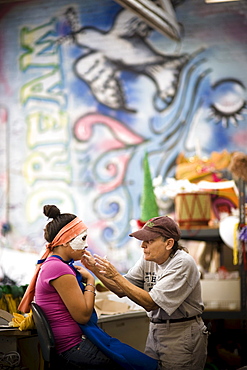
<point x="11" y="303"/>
<point x="196" y="169"/>
<point x="23" y="322"/>
<point x="28" y="322"/>
<point x="3" y="303"/>
<point x="235" y="245"/>
<point x="17" y="320"/>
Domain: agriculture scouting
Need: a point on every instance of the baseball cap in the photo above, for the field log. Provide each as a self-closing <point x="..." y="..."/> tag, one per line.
<point x="158" y="226"/>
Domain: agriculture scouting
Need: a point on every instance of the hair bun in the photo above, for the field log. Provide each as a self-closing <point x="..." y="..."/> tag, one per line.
<point x="51" y="211"/>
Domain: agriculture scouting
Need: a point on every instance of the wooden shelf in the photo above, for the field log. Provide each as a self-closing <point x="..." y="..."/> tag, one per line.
<point x="204" y="233"/>
<point x="211" y="234"/>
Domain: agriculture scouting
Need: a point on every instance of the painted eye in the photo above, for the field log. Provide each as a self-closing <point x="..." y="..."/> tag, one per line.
<point x="229" y="105"/>
<point x="84" y="238"/>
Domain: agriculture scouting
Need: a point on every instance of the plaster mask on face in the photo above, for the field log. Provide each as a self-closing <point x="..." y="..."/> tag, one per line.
<point x="80" y="241"/>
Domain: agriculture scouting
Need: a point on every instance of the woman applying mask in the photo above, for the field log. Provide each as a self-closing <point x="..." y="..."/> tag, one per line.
<point x="66" y="294"/>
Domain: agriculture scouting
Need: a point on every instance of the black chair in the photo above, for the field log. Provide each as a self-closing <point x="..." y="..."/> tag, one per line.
<point x="46" y="339"/>
<point x="52" y="361"/>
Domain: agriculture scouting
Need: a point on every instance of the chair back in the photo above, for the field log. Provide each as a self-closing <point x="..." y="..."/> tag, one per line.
<point x="45" y="335"/>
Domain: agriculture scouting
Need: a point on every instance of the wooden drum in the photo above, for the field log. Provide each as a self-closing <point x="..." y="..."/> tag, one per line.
<point x="193" y="209"/>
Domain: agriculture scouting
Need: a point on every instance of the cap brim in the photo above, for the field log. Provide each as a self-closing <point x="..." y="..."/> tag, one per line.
<point x="144" y="235"/>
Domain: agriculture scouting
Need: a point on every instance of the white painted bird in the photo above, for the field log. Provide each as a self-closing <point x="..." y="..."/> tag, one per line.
<point x="123" y="48"/>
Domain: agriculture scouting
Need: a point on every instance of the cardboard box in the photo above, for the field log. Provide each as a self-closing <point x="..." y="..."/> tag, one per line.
<point x="221" y="295"/>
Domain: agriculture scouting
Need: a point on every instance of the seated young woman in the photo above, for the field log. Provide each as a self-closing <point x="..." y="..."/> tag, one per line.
<point x="66" y="294"/>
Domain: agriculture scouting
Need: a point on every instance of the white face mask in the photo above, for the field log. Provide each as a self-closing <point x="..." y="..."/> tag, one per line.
<point x="80" y="241"/>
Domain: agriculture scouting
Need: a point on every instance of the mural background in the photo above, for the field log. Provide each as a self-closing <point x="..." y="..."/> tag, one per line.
<point x="86" y="88"/>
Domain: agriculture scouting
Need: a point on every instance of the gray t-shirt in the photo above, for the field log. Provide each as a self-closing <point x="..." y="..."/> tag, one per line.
<point x="174" y="286"/>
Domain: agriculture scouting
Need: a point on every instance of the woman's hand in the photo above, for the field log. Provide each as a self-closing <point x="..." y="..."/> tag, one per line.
<point x="102" y="269"/>
<point x="105" y="267"/>
<point x="88" y="260"/>
<point x="87" y="277"/>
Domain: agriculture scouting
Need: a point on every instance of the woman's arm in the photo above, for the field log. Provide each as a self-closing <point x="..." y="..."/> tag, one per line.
<point x="79" y="305"/>
<point x="114" y="281"/>
<point x="89" y="262"/>
<point x="136" y="294"/>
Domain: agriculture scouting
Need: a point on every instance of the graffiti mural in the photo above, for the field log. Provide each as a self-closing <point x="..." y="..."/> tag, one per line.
<point x="87" y="88"/>
<point x="101" y="68"/>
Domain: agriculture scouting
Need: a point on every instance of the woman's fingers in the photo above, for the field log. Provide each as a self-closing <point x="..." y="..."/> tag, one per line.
<point x="87" y="259"/>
